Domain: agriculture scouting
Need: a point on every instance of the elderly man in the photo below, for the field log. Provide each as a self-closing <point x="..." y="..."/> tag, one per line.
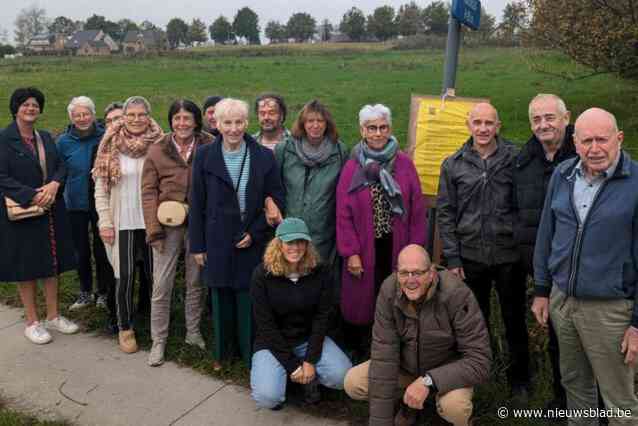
<point x="429" y="337"/>
<point x="550" y="144"/>
<point x="475" y="217"/>
<point x="271" y="113"/>
<point x="586" y="268"/>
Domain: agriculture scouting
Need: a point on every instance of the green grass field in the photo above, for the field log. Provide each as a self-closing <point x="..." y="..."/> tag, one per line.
<point x="345" y="77"/>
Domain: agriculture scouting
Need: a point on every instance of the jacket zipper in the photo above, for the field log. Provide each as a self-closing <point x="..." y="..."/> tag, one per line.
<point x="571" y="284"/>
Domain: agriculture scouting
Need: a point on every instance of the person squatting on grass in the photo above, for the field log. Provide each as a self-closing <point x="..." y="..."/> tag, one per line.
<point x="292" y="299"/>
<point x="40" y="247"/>
<point x="475" y="216"/>
<point x="77" y="147"/>
<point x="380" y="210"/>
<point x="429" y="337"/>
<point x="166" y="181"/>
<point x="118" y="200"/>
<point x="586" y="268"/>
<point x="227" y="227"/>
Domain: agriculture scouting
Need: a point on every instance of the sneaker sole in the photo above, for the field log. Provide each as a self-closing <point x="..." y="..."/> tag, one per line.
<point x="39" y="343"/>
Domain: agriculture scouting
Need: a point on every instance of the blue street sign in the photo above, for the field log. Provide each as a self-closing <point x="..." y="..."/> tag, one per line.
<point x="467" y="12"/>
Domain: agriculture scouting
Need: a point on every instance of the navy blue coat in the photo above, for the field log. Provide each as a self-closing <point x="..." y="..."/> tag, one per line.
<point x="25" y="245"/>
<point x="214" y="216"/>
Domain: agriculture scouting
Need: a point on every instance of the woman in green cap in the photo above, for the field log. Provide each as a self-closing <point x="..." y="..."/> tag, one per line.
<point x="291" y="295"/>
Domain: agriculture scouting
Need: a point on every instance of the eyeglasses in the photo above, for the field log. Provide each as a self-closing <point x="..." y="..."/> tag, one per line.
<point x="416" y="274"/>
<point x="131" y="116"/>
<point x="374" y="129"/>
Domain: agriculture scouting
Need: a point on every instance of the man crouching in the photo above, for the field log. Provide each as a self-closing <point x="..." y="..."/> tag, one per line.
<point x="429" y="337"/>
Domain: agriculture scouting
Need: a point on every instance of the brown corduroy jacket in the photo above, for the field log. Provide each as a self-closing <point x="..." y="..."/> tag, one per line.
<point x="445" y="337"/>
<point x="165" y="177"/>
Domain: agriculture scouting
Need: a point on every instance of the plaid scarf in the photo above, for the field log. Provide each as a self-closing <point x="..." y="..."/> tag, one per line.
<point x="107" y="162"/>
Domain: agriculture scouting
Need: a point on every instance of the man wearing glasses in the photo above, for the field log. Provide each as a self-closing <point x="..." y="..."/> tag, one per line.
<point x="428" y="338"/>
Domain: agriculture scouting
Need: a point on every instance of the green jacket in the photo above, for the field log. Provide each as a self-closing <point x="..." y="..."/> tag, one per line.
<point x="311" y="194"/>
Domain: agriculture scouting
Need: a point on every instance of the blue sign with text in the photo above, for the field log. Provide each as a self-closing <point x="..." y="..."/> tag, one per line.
<point x="467" y="12"/>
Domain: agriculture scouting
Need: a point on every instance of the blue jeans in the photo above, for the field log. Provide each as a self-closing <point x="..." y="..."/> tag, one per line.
<point x="268" y="377"/>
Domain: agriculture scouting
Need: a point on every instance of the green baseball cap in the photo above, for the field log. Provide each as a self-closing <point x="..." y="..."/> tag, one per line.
<point x="292" y="228"/>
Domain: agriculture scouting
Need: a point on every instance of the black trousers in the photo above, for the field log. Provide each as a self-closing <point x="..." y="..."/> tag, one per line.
<point x="86" y="235"/>
<point x="132" y="249"/>
<point x="509" y="282"/>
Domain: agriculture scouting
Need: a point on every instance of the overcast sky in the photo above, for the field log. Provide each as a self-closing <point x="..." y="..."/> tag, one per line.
<point x="161" y="11"/>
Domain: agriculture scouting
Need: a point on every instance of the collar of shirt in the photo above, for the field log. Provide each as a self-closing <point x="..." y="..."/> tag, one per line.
<point x="580" y="173"/>
<point x="179" y="147"/>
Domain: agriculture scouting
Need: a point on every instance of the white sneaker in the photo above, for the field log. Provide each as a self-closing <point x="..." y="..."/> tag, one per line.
<point x="62" y="325"/>
<point x="37" y="334"/>
<point x="100" y="301"/>
<point x="195" y="339"/>
<point x="84" y="300"/>
<point x="156" y="357"/>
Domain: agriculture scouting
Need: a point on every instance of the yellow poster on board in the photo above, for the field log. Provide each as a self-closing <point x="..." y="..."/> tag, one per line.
<point x="437" y="129"/>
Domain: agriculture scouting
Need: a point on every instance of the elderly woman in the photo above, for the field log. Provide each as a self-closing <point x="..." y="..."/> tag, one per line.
<point x="37" y="247"/>
<point x="165" y="187"/>
<point x="310" y="165"/>
<point x="292" y="301"/>
<point x="118" y="199"/>
<point x="380" y="210"/>
<point x="77" y="147"/>
<point x="227" y="226"/>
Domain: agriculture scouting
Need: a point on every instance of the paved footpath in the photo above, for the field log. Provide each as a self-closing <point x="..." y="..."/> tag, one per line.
<point x="87" y="380"/>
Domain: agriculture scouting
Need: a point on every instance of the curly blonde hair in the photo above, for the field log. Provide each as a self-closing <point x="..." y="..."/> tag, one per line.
<point x="276" y="264"/>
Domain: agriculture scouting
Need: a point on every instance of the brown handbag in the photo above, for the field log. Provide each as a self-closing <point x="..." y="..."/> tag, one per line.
<point x="14" y="211"/>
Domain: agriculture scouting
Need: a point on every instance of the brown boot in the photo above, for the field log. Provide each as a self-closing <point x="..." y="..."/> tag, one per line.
<point x="406" y="416"/>
<point x="127" y="341"/>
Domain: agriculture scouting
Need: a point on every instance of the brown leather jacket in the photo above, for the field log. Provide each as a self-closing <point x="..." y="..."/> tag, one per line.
<point x="445" y="337"/>
<point x="165" y="177"/>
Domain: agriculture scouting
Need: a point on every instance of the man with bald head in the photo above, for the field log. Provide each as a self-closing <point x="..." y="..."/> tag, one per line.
<point x="586" y="269"/>
<point x="475" y="216"/>
<point x="550" y="144"/>
<point x="429" y="338"/>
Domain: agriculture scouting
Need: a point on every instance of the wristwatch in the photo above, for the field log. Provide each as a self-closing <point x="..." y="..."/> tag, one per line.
<point x="427" y="381"/>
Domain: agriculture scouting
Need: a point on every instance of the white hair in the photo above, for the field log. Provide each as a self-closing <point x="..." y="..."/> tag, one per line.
<point x="81" y="101"/>
<point x="137" y="100"/>
<point x="375" y="112"/>
<point x="562" y="108"/>
<point x="229" y="106"/>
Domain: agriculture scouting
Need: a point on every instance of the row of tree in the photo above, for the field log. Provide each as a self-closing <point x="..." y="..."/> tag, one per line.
<point x="382" y="24"/>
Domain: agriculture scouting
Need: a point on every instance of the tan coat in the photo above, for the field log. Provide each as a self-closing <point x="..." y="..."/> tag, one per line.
<point x="166" y="177"/>
<point x="445" y="337"/>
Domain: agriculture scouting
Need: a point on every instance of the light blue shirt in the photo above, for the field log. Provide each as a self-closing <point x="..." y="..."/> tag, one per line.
<point x="585" y="189"/>
<point x="233" y="160"/>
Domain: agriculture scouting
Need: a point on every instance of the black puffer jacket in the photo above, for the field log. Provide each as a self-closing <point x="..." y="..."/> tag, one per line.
<point x="532" y="172"/>
<point x="475" y="206"/>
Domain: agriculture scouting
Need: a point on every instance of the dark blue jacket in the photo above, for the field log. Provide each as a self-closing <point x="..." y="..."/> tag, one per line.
<point x="597" y="259"/>
<point x="78" y="155"/>
<point x="25" y="245"/>
<point x="214" y="218"/>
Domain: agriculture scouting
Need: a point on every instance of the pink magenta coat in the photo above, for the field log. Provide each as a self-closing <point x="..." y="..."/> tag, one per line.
<point x="355" y="234"/>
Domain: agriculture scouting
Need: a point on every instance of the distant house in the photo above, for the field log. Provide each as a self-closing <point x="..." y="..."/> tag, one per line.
<point x="143" y="42"/>
<point x="79" y="40"/>
<point x="94" y="48"/>
<point x="45" y="43"/>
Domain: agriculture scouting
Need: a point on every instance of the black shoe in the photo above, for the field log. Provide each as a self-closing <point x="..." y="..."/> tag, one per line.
<point x="520" y="396"/>
<point x="277" y="407"/>
<point x="311" y="392"/>
<point x="111" y="327"/>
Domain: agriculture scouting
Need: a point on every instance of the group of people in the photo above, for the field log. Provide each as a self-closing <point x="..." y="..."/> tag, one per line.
<point x="313" y="254"/>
